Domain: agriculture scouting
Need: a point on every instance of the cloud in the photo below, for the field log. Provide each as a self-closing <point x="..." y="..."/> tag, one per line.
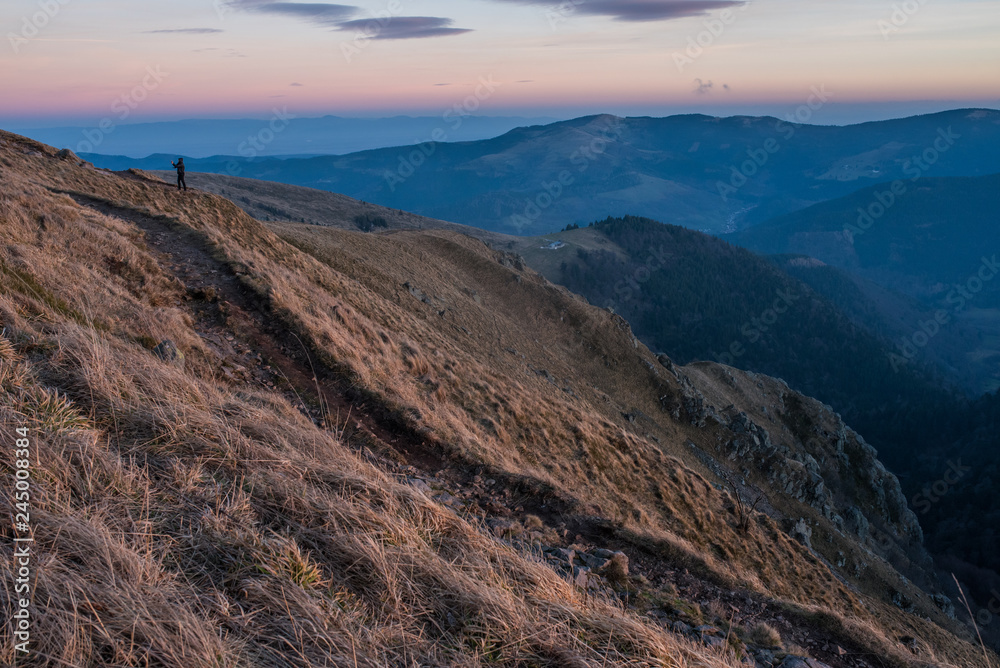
<point x="296" y="84"/>
<point x="404" y="27"/>
<point x="315" y="12"/>
<point x="341" y="18"/>
<point x="639" y="10"/>
<point x="703" y="87"/>
<point x="184" y="31"/>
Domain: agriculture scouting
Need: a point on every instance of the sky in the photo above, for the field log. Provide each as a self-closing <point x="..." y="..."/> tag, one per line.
<point x="75" y="62"/>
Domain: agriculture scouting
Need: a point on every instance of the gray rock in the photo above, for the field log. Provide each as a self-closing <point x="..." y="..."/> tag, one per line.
<point x="168" y="352"/>
<point x="857" y="523"/>
<point x="591" y="561"/>
<point x="562" y="554"/>
<point x="802" y="533"/>
<point x="420" y="485"/>
<point x="801" y="662"/>
<point x="944" y="604"/>
<point x="764" y="657"/>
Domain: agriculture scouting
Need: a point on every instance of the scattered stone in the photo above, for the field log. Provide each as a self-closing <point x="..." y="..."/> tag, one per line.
<point x="944" y="604"/>
<point x="420" y="485"/>
<point x="901" y="601"/>
<point x="801" y="662"/>
<point x="764" y="657"/>
<point x="168" y="352"/>
<point x="592" y="561"/>
<point x="802" y="533"/>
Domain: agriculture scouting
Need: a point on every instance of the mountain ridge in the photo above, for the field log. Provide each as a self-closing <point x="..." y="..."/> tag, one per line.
<point x="255" y="493"/>
<point x="706" y="173"/>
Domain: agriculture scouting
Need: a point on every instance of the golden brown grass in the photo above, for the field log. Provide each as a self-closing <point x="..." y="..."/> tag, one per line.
<point x="185" y="521"/>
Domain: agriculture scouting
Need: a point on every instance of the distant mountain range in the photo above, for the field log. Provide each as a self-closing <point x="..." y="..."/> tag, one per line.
<point x="281" y="134"/>
<point x="823" y="329"/>
<point x="711" y="174"/>
<point x="934" y="240"/>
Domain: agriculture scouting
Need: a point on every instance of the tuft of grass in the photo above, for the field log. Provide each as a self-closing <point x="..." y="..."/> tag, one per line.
<point x="51" y="410"/>
<point x="765" y="635"/>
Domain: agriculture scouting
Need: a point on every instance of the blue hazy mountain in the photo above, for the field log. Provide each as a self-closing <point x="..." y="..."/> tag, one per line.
<point x="701" y="172"/>
<point x="278" y="134"/>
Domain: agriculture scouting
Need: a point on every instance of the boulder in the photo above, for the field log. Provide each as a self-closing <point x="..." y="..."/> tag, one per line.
<point x="168" y="352"/>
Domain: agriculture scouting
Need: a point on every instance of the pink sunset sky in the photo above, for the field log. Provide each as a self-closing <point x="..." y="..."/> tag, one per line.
<point x="72" y="60"/>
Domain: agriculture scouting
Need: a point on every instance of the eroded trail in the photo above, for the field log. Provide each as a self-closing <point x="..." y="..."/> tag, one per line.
<point x="255" y="347"/>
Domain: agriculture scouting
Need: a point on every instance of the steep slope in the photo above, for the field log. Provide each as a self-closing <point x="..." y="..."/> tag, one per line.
<point x="248" y="507"/>
<point x="920" y="241"/>
<point x="934" y="241"/>
<point x="697" y="297"/>
<point x="894" y="316"/>
<point x="712" y="174"/>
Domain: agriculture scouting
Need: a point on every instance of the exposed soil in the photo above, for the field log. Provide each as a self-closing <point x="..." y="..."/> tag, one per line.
<point x="254" y="347"/>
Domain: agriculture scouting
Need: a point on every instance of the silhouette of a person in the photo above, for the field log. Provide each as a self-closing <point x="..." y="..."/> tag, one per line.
<point x="179" y="166"/>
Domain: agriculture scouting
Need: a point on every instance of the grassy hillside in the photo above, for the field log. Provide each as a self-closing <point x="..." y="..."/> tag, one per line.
<point x="697" y="297"/>
<point x="371" y="443"/>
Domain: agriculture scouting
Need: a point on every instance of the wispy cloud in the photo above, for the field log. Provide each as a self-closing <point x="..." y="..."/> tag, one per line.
<point x="641" y="10"/>
<point x="406" y="27"/>
<point x="343" y="17"/>
<point x="315" y="12"/>
<point x="184" y="31"/>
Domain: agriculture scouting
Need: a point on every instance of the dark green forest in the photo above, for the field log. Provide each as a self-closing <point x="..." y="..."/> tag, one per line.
<point x="696" y="297"/>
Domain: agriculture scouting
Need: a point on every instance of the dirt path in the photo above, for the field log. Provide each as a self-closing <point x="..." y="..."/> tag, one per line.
<point x="254" y="348"/>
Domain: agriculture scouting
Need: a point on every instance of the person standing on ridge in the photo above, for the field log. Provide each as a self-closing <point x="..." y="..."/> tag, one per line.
<point x="179" y="166"/>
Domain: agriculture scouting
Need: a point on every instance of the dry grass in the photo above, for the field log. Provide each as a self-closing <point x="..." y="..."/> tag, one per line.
<point x="183" y="522"/>
<point x="765" y="635"/>
<point x="186" y="521"/>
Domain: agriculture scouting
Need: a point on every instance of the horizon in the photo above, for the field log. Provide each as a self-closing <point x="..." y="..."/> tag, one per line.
<point x="836" y="115"/>
<point x="75" y="65"/>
